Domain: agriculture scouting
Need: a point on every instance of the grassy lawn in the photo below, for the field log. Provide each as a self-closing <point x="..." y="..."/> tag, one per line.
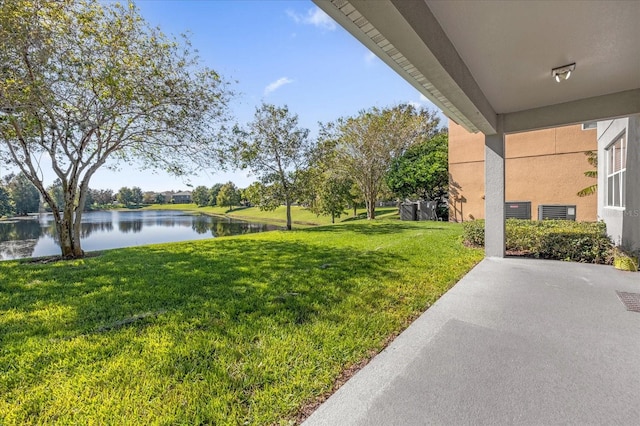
<point x="301" y="217"/>
<point x="234" y="330"/>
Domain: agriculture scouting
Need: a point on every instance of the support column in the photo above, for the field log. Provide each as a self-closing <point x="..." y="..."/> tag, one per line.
<point x="494" y="193"/>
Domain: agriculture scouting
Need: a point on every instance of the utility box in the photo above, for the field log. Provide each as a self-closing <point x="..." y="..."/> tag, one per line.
<point x="408" y="211"/>
<point x="557" y="212"/>
<point x="517" y="210"/>
<point x="427" y="210"/>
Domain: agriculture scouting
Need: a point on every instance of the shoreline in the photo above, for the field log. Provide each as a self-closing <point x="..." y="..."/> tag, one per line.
<point x="13" y="219"/>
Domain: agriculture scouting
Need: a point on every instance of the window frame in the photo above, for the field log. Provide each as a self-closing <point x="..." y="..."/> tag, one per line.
<point x="616" y="167"/>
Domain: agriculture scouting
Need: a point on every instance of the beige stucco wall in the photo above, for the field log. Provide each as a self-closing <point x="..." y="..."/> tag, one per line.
<point x="544" y="167"/>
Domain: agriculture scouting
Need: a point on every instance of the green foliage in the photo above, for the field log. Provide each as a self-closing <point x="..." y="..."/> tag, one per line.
<point x="160" y="198"/>
<point x="625" y="259"/>
<point x="585" y="242"/>
<point x="275" y="149"/>
<point x="254" y="193"/>
<point x="325" y="189"/>
<point x="366" y="145"/>
<point x="136" y="195"/>
<point x="200" y="196"/>
<point x="130" y="196"/>
<point x="592" y="159"/>
<point x="56" y="192"/>
<point x="213" y="194"/>
<point x="103" y="197"/>
<point x="5" y="202"/>
<point x="24" y="195"/>
<point x="228" y="195"/>
<point x="334" y="196"/>
<point x="125" y="196"/>
<point x="473" y="232"/>
<point x="89" y="201"/>
<point x="422" y="171"/>
<point x="237" y="330"/>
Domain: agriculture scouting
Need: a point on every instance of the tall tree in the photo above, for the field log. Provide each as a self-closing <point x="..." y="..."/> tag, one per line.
<point x="253" y="194"/>
<point x="200" y="196"/>
<point x="213" y="193"/>
<point x="368" y="143"/>
<point x="86" y="82"/>
<point x="274" y="148"/>
<point x="326" y="191"/>
<point x="125" y="196"/>
<point x="160" y="198"/>
<point x="228" y="195"/>
<point x="24" y="195"/>
<point x="422" y="171"/>
<point x="136" y="195"/>
<point x="333" y="196"/>
<point x="103" y="197"/>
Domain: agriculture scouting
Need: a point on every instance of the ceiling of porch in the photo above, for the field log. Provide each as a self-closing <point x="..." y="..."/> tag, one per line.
<point x="487" y="64"/>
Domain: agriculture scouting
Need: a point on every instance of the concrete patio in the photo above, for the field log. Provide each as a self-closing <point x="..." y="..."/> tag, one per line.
<point x="516" y="341"/>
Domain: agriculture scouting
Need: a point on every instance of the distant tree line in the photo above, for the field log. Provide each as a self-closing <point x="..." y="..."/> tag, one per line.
<point x="19" y="197"/>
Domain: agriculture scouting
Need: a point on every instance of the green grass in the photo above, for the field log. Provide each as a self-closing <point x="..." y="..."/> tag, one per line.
<point x="301" y="216"/>
<point x="234" y="330"/>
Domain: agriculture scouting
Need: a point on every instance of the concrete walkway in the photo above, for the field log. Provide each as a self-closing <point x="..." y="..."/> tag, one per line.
<point x="516" y="341"/>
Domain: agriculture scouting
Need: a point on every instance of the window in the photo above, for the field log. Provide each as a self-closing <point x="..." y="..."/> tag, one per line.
<point x="616" y="167"/>
<point x="589" y="125"/>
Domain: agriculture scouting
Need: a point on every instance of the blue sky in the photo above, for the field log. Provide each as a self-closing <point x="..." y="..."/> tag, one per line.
<point x="281" y="52"/>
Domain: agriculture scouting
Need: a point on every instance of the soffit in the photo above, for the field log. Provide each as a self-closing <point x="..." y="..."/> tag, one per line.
<point x="477" y="60"/>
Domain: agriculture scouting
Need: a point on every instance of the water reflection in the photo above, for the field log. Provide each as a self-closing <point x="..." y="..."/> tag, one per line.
<point x="113" y="229"/>
<point x="130" y="226"/>
<point x="201" y="225"/>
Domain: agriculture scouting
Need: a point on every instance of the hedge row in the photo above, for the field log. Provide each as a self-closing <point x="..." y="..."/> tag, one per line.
<point x="585" y="242"/>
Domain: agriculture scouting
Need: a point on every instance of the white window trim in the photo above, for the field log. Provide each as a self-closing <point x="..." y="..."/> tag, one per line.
<point x="610" y="175"/>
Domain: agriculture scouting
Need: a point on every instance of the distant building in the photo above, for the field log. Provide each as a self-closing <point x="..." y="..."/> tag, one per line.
<point x="183" y="197"/>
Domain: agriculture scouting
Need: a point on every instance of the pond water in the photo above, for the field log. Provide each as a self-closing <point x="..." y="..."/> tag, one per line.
<point x="113" y="229"/>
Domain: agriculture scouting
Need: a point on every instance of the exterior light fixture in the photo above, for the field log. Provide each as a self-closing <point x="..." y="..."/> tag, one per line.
<point x="563" y="72"/>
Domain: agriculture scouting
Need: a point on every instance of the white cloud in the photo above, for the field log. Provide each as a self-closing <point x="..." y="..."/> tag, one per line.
<point x="272" y="87"/>
<point x="423" y="98"/>
<point x="369" y="57"/>
<point x="315" y="17"/>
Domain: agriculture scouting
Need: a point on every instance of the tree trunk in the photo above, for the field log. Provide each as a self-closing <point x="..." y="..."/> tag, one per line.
<point x="69" y="247"/>
<point x="333" y="218"/>
<point x="371" y="209"/>
<point x="288" y="215"/>
<point x="68" y="227"/>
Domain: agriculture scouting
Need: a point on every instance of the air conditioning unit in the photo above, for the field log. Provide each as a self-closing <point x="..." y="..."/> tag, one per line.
<point x="427" y="210"/>
<point x="556" y="211"/>
<point x="408" y="211"/>
<point x="517" y="210"/>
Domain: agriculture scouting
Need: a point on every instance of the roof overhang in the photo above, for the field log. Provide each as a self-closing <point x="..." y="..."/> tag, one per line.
<point x="488" y="63"/>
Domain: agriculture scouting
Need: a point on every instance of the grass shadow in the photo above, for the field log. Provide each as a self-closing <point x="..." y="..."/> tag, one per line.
<point x="238" y="280"/>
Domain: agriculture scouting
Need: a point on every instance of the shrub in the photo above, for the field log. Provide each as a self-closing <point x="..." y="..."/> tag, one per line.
<point x="585" y="242"/>
<point x="473" y="233"/>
